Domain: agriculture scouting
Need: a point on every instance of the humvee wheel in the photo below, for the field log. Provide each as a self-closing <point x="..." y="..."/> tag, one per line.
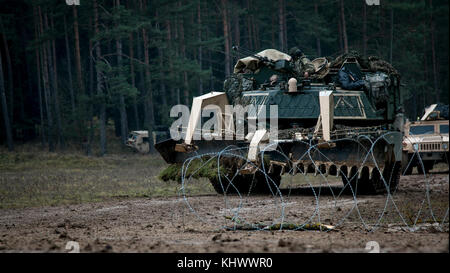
<point x="427" y="166"/>
<point x="248" y="184"/>
<point x="375" y="184"/>
<point x="407" y="171"/>
<point x="407" y="166"/>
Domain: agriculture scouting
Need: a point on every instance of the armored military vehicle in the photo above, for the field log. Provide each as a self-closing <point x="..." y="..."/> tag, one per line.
<point x="425" y="141"/>
<point x="322" y="128"/>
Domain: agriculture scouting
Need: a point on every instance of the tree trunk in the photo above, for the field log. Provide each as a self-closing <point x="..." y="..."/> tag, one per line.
<point x="249" y="27"/>
<point x="425" y="74"/>
<point x="224" y="8"/>
<point x="364" y="29"/>
<point x="77" y="50"/>
<point x="255" y="31"/>
<point x="344" y="28"/>
<point x="90" y="95"/>
<point x="38" y="70"/>
<point x="133" y="82"/>
<point x="282" y="25"/>
<point x="102" y="107"/>
<point x="149" y="95"/>
<point x="169" y="43"/>
<point x="80" y="120"/>
<point x="122" y="107"/>
<point x="148" y="103"/>
<point x="141" y="71"/>
<point x="392" y="36"/>
<point x="433" y="56"/>
<point x="211" y="79"/>
<point x="341" y="40"/>
<point x="10" y="74"/>
<point x="55" y="93"/>
<point x="177" y="55"/>
<point x="237" y="31"/>
<point x="200" y="49"/>
<point x="9" y="139"/>
<point x="319" y="47"/>
<point x="69" y="70"/>
<point x="382" y="23"/>
<point x="51" y="146"/>
<point x="162" y="85"/>
<point x="28" y="76"/>
<point x="272" y="31"/>
<point x="183" y="55"/>
<point x="284" y="28"/>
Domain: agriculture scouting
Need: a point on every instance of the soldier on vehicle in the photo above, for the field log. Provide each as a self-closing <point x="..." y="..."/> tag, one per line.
<point x="273" y="79"/>
<point x="349" y="80"/>
<point x="302" y="65"/>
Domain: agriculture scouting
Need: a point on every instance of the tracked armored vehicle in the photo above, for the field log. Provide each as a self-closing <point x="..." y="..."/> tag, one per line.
<point x="323" y="129"/>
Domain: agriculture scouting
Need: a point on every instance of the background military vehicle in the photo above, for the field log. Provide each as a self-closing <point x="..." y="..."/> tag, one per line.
<point x="322" y="128"/>
<point x="140" y="142"/>
<point x="426" y="141"/>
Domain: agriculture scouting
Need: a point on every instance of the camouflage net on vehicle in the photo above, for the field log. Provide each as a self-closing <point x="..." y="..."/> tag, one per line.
<point x="372" y="63"/>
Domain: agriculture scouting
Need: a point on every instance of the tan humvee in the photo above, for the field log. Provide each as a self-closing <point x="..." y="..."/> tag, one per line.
<point x="138" y="140"/>
<point x="426" y="139"/>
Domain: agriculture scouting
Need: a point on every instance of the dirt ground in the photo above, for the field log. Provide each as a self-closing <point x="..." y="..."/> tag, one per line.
<point x="403" y="222"/>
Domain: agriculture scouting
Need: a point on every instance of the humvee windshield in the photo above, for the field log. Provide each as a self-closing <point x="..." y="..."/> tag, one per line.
<point x="422" y="130"/>
<point x="443" y="129"/>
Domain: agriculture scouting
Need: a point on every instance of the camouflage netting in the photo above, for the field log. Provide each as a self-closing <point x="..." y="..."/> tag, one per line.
<point x="235" y="85"/>
<point x="339" y="60"/>
<point x="381" y="75"/>
<point x="378" y="64"/>
<point x="372" y="63"/>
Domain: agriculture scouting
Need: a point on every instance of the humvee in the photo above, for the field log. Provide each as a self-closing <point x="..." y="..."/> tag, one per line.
<point x="425" y="142"/>
<point x="138" y="140"/>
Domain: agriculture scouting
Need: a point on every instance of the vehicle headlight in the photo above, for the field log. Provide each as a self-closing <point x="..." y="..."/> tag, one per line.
<point x="416" y="146"/>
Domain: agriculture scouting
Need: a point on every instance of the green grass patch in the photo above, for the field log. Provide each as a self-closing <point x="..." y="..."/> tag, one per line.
<point x="35" y="178"/>
<point x="197" y="168"/>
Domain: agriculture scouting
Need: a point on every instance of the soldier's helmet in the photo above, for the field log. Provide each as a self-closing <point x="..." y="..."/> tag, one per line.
<point x="295" y="52"/>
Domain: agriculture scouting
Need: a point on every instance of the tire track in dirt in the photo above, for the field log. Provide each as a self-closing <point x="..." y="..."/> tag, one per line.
<point x="167" y="225"/>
